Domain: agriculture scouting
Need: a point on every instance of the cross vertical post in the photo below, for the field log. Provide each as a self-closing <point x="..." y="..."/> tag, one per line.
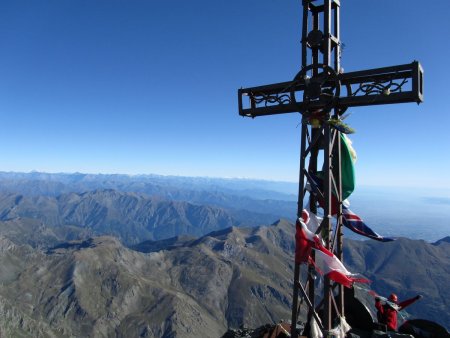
<point x="325" y="44"/>
<point x="321" y="92"/>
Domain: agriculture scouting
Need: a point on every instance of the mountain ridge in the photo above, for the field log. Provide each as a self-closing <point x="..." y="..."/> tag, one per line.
<point x="190" y="287"/>
<point x="174" y="267"/>
<point x="132" y="217"/>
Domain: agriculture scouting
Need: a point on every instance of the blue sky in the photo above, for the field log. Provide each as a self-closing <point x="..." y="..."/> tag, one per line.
<point x="103" y="86"/>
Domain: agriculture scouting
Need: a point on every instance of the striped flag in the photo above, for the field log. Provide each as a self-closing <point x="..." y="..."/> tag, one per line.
<point x="357" y="225"/>
<point x="325" y="262"/>
<point x="332" y="267"/>
<point x="305" y="241"/>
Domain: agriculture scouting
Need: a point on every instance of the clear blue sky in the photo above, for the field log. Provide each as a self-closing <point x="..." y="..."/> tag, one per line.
<point x="109" y="86"/>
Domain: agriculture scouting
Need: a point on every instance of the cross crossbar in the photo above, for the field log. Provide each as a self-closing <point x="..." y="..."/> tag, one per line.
<point x="368" y="87"/>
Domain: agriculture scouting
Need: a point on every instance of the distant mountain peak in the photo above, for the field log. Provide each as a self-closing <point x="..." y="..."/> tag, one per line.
<point x="443" y="240"/>
<point x="283" y="223"/>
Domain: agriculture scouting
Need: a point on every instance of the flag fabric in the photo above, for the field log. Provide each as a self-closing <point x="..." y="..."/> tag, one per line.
<point x="332" y="267"/>
<point x="305" y="241"/>
<point x="357" y="225"/>
<point x="325" y="261"/>
<point x="348" y="155"/>
<point x="349" y="218"/>
<point x="316" y="185"/>
<point x="315" y="331"/>
<point x="314" y="222"/>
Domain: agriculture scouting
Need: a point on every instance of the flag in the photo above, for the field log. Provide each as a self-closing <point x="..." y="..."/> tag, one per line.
<point x="332" y="267"/>
<point x="305" y="240"/>
<point x="325" y="261"/>
<point x="349" y="218"/>
<point x="348" y="156"/>
<point x="357" y="225"/>
<point x="316" y="187"/>
<point x="314" y="221"/>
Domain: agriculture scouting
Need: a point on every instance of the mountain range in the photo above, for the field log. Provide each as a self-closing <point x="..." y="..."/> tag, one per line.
<point x="153" y="206"/>
<point x="190" y="287"/>
<point x="131" y="217"/>
<point x="151" y="256"/>
<point x="273" y="199"/>
<point x="391" y="211"/>
<point x="99" y="288"/>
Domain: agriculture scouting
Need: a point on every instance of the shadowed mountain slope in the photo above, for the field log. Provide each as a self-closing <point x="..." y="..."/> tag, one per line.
<point x="98" y="288"/>
<point x="187" y="287"/>
<point x="131" y="217"/>
<point x="406" y="267"/>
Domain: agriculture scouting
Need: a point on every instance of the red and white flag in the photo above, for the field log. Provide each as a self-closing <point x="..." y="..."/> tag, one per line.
<point x="305" y="240"/>
<point x="326" y="263"/>
<point x="332" y="267"/>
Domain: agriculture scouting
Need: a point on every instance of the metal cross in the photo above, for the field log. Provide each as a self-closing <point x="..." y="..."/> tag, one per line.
<point x="321" y="92"/>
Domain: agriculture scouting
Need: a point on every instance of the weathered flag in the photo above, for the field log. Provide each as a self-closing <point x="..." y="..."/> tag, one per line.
<point x="316" y="187"/>
<point x="332" y="267"/>
<point x="305" y="241"/>
<point x="348" y="157"/>
<point x="357" y="225"/>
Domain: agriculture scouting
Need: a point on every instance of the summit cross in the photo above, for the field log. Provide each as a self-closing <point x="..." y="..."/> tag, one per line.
<point x="321" y="92"/>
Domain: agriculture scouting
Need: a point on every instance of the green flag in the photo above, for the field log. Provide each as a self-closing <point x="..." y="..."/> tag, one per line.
<point x="348" y="156"/>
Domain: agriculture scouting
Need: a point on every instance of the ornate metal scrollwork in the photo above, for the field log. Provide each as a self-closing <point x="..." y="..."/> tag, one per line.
<point x="318" y="88"/>
<point x="280" y="98"/>
<point x="380" y="87"/>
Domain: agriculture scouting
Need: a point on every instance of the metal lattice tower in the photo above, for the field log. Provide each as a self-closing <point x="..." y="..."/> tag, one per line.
<point x="322" y="91"/>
